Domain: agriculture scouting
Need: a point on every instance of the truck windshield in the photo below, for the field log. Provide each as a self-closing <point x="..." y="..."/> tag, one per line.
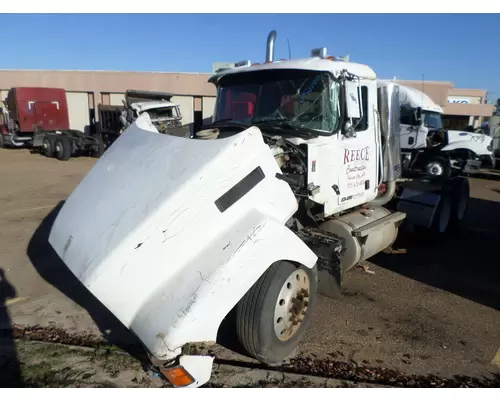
<point x="432" y="119"/>
<point x="299" y="98"/>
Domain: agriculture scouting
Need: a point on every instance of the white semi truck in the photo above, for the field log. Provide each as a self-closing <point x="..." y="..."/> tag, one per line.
<point x="295" y="182"/>
<point x="427" y="147"/>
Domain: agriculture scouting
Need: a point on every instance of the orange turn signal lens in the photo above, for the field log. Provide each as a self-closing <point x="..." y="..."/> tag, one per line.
<point x="331" y="58"/>
<point x="177" y="376"/>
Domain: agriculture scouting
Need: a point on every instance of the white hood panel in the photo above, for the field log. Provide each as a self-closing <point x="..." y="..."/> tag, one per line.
<point x="135" y="229"/>
<point x="475" y="142"/>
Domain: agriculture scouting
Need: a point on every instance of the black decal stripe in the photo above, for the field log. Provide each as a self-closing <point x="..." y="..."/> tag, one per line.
<point x="240" y="189"/>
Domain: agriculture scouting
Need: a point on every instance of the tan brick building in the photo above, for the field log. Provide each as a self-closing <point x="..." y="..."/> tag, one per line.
<point x="87" y="89"/>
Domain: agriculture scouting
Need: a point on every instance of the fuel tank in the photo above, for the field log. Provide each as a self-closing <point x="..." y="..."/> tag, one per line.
<point x="360" y="247"/>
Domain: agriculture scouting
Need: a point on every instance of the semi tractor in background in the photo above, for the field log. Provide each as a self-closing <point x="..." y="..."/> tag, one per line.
<point x="164" y="114"/>
<point x="259" y="212"/>
<point x="38" y="118"/>
<point x="427" y="147"/>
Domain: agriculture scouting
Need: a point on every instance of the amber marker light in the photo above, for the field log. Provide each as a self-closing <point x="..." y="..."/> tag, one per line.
<point x="177" y="376"/>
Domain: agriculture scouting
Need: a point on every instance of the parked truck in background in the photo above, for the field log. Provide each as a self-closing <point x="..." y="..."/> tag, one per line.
<point x="38" y="118"/>
<point x="269" y="206"/>
<point x="427" y="147"/>
<point x="164" y="114"/>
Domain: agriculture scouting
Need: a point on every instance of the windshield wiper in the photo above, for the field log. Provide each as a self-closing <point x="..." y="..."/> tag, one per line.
<point x="225" y="122"/>
<point x="283" y="123"/>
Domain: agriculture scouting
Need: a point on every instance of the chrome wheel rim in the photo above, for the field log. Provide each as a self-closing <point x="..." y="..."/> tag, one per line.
<point x="292" y="305"/>
<point x="435" y="169"/>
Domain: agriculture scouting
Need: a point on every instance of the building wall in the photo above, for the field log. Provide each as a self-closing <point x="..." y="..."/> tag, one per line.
<point x="78" y="104"/>
<point x="186" y="103"/>
<point x="208" y="106"/>
<point x="108" y="88"/>
<point x="116" y="99"/>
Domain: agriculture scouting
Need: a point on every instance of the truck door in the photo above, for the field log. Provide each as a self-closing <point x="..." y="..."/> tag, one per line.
<point x="409" y="136"/>
<point x="359" y="152"/>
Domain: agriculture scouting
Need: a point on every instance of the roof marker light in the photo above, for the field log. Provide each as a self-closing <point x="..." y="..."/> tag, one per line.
<point x="245" y="63"/>
<point x="320" y="52"/>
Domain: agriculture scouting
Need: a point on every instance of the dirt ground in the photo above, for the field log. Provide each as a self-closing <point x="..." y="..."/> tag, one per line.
<point x="433" y="309"/>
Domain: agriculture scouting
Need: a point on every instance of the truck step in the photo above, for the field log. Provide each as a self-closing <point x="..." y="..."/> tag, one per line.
<point x="388" y="219"/>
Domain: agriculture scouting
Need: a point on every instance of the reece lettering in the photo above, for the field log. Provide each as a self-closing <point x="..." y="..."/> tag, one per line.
<point x="356" y="155"/>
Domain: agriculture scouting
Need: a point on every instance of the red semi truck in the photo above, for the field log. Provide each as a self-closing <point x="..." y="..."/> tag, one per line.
<point x="38" y="117"/>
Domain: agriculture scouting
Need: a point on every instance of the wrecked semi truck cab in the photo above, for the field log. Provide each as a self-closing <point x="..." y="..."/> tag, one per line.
<point x="164" y="114"/>
<point x="293" y="184"/>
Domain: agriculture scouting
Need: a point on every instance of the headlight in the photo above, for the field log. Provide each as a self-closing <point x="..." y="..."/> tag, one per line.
<point x="490" y="146"/>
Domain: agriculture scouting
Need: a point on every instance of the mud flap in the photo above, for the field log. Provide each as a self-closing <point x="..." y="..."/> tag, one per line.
<point x="330" y="282"/>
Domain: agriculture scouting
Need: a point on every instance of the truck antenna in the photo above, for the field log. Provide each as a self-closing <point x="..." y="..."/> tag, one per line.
<point x="289" y="50"/>
<point x="422" y="88"/>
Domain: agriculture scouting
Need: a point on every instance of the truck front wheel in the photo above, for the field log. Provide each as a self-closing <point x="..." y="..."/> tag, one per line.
<point x="438" y="167"/>
<point x="273" y="315"/>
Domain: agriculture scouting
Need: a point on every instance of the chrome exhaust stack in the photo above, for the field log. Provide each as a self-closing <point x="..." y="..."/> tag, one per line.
<point x="271" y="39"/>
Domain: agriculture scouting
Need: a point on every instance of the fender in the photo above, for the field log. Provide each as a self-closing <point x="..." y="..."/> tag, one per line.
<point x="217" y="279"/>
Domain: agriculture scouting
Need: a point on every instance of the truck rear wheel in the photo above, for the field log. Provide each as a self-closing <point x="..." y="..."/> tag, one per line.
<point x="63" y="148"/>
<point x="48" y="146"/>
<point x="100" y="147"/>
<point x="273" y="315"/>
<point x="2" y="141"/>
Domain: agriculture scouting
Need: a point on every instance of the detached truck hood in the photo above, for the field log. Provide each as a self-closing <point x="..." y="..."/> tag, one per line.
<point x="169" y="233"/>
<point x="476" y="142"/>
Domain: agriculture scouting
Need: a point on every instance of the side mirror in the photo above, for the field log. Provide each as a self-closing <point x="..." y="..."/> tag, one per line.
<point x="353" y="107"/>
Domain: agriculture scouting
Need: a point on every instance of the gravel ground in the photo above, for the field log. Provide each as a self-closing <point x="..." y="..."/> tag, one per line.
<point x="431" y="309"/>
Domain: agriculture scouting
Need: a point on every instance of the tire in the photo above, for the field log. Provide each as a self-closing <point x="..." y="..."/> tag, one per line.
<point x="2" y="141"/>
<point x="48" y="146"/>
<point x="438" y="167"/>
<point x="63" y="148"/>
<point x="261" y="313"/>
<point x="460" y="195"/>
<point x="100" y="147"/>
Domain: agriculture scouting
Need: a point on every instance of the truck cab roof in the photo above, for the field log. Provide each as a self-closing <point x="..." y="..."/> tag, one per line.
<point x="309" y="63"/>
<point x="413" y="98"/>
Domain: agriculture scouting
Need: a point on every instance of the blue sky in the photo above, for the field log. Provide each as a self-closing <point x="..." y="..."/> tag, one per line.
<point x="460" y="48"/>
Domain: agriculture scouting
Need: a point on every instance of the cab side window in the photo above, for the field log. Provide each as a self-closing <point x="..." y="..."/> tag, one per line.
<point x="407" y="116"/>
<point x="363" y="124"/>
